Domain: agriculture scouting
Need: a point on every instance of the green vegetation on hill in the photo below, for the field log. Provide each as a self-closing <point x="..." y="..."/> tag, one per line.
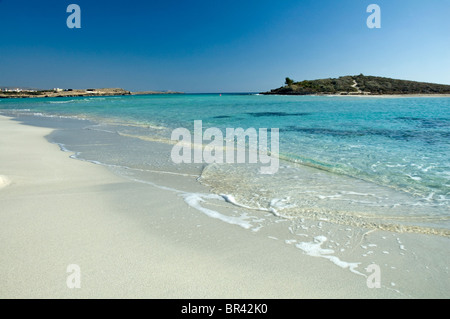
<point x="358" y="85"/>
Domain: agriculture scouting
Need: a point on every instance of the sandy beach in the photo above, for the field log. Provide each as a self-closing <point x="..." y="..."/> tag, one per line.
<point x="192" y="158"/>
<point x="133" y="240"/>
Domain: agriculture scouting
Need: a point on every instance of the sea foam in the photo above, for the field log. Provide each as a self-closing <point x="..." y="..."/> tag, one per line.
<point x="315" y="249"/>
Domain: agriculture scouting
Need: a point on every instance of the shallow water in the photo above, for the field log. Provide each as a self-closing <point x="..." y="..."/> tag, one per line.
<point x="381" y="163"/>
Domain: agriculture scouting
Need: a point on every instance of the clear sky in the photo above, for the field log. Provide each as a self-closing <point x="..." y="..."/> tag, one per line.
<point x="219" y="46"/>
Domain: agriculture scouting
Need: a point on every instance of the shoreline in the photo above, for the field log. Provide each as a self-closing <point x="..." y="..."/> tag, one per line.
<point x="364" y="95"/>
<point x="130" y="93"/>
<point x="128" y="240"/>
<point x="157" y="242"/>
<point x="61" y="93"/>
<point x="79" y="93"/>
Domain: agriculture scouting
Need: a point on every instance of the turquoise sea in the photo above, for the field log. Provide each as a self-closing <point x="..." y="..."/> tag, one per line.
<point x="371" y="161"/>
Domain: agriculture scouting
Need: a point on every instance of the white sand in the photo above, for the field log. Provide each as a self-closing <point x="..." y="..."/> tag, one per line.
<point x="134" y="240"/>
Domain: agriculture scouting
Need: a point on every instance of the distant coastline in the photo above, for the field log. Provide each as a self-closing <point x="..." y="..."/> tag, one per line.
<point x="29" y="93"/>
<point x="356" y="85"/>
<point x="155" y="92"/>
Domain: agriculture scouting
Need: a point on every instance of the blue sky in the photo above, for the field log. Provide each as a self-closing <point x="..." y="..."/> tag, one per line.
<point x="219" y="46"/>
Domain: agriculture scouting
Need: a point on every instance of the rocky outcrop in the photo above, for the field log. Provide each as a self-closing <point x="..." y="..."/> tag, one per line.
<point x="360" y="85"/>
